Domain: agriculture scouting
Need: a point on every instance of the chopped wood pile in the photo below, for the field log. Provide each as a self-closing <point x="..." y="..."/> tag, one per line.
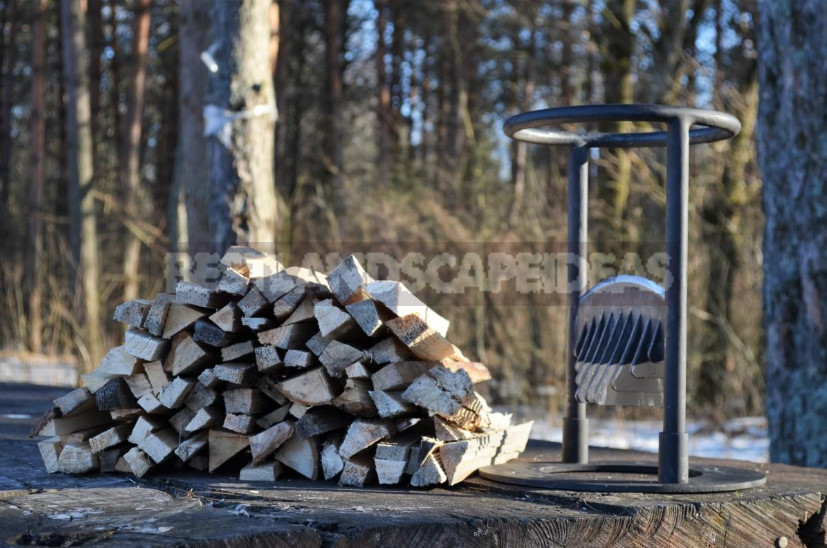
<point x="329" y="376"/>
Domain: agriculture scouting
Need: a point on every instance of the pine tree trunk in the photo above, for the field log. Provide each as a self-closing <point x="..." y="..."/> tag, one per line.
<point x="792" y="119"/>
<point x="334" y="31"/>
<point x="34" y="243"/>
<point x="243" y="205"/>
<point x="383" y="111"/>
<point x="9" y="46"/>
<point x="137" y="202"/>
<point x="80" y="173"/>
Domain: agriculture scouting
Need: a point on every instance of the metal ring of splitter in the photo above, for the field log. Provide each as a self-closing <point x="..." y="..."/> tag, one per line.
<point x="531" y="127"/>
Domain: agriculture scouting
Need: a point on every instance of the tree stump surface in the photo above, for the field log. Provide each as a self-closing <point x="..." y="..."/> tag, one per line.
<point x="184" y="508"/>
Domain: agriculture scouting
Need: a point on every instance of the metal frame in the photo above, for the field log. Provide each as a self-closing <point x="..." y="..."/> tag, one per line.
<point x="709" y="126"/>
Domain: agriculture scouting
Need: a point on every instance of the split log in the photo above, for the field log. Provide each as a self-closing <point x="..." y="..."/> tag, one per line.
<point x="269" y="387"/>
<point x="321" y="420"/>
<point x="125" y="414"/>
<point x="244" y="401"/>
<point x="263" y="445"/>
<point x="77" y="459"/>
<point x="50" y="453"/>
<point x="159" y="445"/>
<point x="337" y="356"/>
<point x="446" y="431"/>
<point x="138" y="461"/>
<point x="401" y="302"/>
<point x="174" y="394"/>
<point x="285" y="305"/>
<point x="236" y="373"/>
<point x="462" y="458"/>
<point x="300" y="455"/>
<point x="156" y="317"/>
<point x="188" y="448"/>
<point x="298" y="410"/>
<point x="210" y="334"/>
<point x="357" y="370"/>
<point x="180" y="317"/>
<point x="430" y="472"/>
<point x="449" y="395"/>
<point x="142" y="345"/>
<point x="228" y="318"/>
<point x="313" y="387"/>
<point x="108" y="459"/>
<point x="77" y="401"/>
<point x="268" y="359"/>
<point x="369" y="316"/>
<point x="233" y="282"/>
<point x="158" y="378"/>
<point x="110" y="437"/>
<point x="288" y="336"/>
<point x="223" y="446"/>
<point x="251" y="262"/>
<point x="399" y="375"/>
<point x="237" y="351"/>
<point x="207" y="378"/>
<point x="355" y="399"/>
<point x="425" y="342"/>
<point x="198" y="462"/>
<point x="268" y="471"/>
<point x="299" y="359"/>
<point x="118" y="362"/>
<point x="151" y="404"/>
<point x="347" y="279"/>
<point x="239" y="423"/>
<point x="186" y="356"/>
<point x="180" y="420"/>
<point x="138" y="384"/>
<point x="318" y="343"/>
<point x="274" y="417"/>
<point x="363" y="433"/>
<point x="277" y="285"/>
<point x="332" y="462"/>
<point x="200" y="397"/>
<point x="333" y="321"/>
<point x="358" y="471"/>
<point x="115" y="394"/>
<point x="196" y="295"/>
<point x="256" y="324"/>
<point x="390" y="404"/>
<point x="61" y="426"/>
<point x="132" y="313"/>
<point x="392" y="456"/>
<point x="204" y="418"/>
<point x="303" y="312"/>
<point x="515" y="439"/>
<point x="389" y="350"/>
<point x="144" y="426"/>
<point x="94" y="380"/>
<point x="253" y="302"/>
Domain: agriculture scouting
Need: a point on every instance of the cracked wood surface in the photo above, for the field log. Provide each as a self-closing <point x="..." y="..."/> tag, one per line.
<point x="176" y="508"/>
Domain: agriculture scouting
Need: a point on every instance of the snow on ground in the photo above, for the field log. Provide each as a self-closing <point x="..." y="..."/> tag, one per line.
<point x="742" y="438"/>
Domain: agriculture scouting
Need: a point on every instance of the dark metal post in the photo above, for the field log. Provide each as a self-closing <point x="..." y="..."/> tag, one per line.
<point x="673" y="455"/>
<point x="575" y="424"/>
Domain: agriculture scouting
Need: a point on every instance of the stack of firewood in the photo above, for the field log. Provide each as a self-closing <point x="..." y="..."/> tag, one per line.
<point x="275" y="367"/>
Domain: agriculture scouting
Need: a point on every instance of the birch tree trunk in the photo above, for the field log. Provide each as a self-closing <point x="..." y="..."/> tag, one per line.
<point x="83" y="225"/>
<point x="792" y="121"/>
<point x="243" y="205"/>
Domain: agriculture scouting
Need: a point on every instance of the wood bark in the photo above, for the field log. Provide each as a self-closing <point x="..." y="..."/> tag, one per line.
<point x="793" y="161"/>
<point x="243" y="205"/>
<point x="137" y="206"/>
<point x="34" y="243"/>
<point x="83" y="225"/>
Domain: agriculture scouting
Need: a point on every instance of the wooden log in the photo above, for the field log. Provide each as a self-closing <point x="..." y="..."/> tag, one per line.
<point x="115" y="394"/>
<point x="399" y="300"/>
<point x="264" y="444"/>
<point x="239" y="423"/>
<point x="269" y="387"/>
<point x="201" y="396"/>
<point x="159" y="445"/>
<point x="237" y="351"/>
<point x="145" y="346"/>
<point x="119" y="362"/>
<point x="174" y="394"/>
<point x="267" y="471"/>
<point x="449" y="395"/>
<point x="50" y="453"/>
<point x="430" y="472"/>
<point x="233" y="282"/>
<point x="110" y="437"/>
<point x="285" y="305"/>
<point x="151" y="404"/>
<point x="304" y="312"/>
<point x="392" y="456"/>
<point x="204" y="418"/>
<point x="337" y="356"/>
<point x="333" y="321"/>
<point x="369" y="316"/>
<point x="355" y="399"/>
<point x="321" y="420"/>
<point x="477" y="371"/>
<point x="425" y="342"/>
<point x="515" y="439"/>
<point x="236" y="373"/>
<point x="400" y="375"/>
<point x="108" y="459"/>
<point x="253" y="302"/>
<point x="251" y="262"/>
<point x="208" y="379"/>
<point x="446" y="431"/>
<point x="60" y="426"/>
<point x="462" y="458"/>
<point x="364" y="433"/>
<point x="77" y="459"/>
<point x="125" y="414"/>
<point x="358" y="471"/>
<point x="156" y="317"/>
<point x="187" y="357"/>
<point x="189" y="447"/>
<point x="244" y="401"/>
<point x="132" y="313"/>
<point x="94" y="380"/>
<point x="138" y="384"/>
<point x="122" y="466"/>
<point x="208" y="333"/>
<point x="196" y="295"/>
<point x="317" y="343"/>
<point x="138" y="461"/>
<point x="298" y="410"/>
<point x="273" y="417"/>
<point x="228" y="318"/>
<point x="144" y="426"/>
<point x="299" y="359"/>
<point x="223" y="446"/>
<point x="268" y="359"/>
<point x="313" y="387"/>
<point x="180" y="420"/>
<point x="347" y="279"/>
<point x="277" y="285"/>
<point x="198" y="462"/>
<point x="256" y="324"/>
<point x="287" y="337"/>
<point x="77" y="401"/>
<point x="180" y="317"/>
<point x="390" y="404"/>
<point x="301" y="456"/>
<point x="158" y="378"/>
<point x="332" y="462"/>
<point x="315" y="282"/>
<point x="357" y="370"/>
<point x="389" y="350"/>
